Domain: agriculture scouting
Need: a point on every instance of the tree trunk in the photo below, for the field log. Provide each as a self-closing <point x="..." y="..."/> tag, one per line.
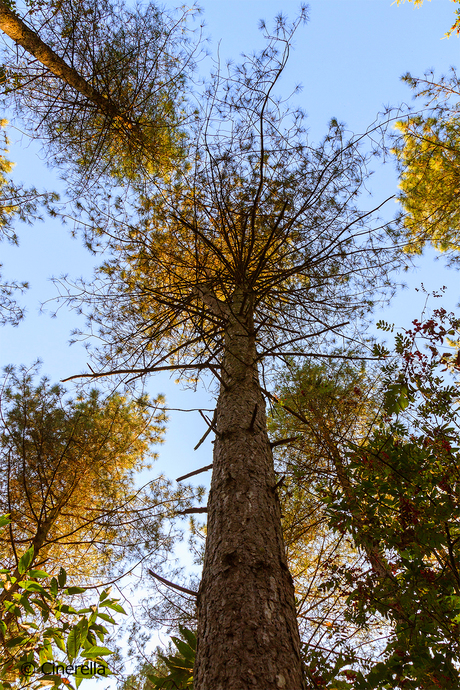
<point x="247" y="630"/>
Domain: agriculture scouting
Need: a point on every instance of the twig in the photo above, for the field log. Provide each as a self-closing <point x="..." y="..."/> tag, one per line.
<point x="140" y="372"/>
<point x="192" y="474"/>
<point x="282" y="441"/>
<point x="253" y="418"/>
<point x="190" y="511"/>
<point x="279" y="484"/>
<point x="171" y="584"/>
<point x="211" y="427"/>
<point x="203" y="438"/>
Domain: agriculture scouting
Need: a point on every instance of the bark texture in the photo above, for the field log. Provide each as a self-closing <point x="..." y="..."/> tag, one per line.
<point x="247" y="630"/>
<point x="21" y="34"/>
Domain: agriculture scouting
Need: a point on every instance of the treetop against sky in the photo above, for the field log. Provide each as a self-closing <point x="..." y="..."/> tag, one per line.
<point x="347" y="67"/>
<point x="349" y="59"/>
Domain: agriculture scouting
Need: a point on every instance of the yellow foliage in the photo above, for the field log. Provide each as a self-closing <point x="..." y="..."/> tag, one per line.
<point x="455" y="28"/>
<point x="68" y="470"/>
<point x="429" y="156"/>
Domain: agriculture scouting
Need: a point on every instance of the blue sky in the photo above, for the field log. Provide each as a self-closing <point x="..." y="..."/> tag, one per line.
<point x="349" y="58"/>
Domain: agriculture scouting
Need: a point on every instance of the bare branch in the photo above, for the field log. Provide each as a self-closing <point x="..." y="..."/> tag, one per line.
<point x="171" y="584"/>
<point x="192" y="474"/>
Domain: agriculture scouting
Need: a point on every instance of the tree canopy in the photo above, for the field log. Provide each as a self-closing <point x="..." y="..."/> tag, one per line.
<point x="370" y="501"/>
<point x="256" y="251"/>
<point x="428" y="154"/>
<point x="68" y="479"/>
<point x="105" y="84"/>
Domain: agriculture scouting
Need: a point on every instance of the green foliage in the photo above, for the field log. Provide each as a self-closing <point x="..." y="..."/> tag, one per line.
<point x="406" y="481"/>
<point x="179" y="665"/>
<point x="40" y="628"/>
<point x="370" y="494"/>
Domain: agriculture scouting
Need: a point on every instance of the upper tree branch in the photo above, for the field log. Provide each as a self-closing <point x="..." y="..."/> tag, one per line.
<point x="20" y="33"/>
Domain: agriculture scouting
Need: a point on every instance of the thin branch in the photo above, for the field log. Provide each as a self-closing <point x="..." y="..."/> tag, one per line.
<point x="203" y="438"/>
<point x="283" y="441"/>
<point x="139" y="372"/>
<point x="190" y="511"/>
<point x="192" y="474"/>
<point x="171" y="584"/>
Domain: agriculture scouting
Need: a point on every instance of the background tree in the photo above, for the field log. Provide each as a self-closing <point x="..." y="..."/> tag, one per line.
<point x="68" y="480"/>
<point x="105" y="83"/>
<point x="16" y="204"/>
<point x="319" y="410"/>
<point x="393" y="498"/>
<point x="255" y="252"/>
<point x="427" y="150"/>
<point x="405" y="480"/>
<point x="428" y="155"/>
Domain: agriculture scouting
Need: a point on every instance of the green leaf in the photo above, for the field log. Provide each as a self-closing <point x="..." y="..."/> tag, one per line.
<point x="26" y="560"/>
<point x="31" y="586"/>
<point x="54" y="587"/>
<point x="75" y="639"/>
<point x="105" y="594"/>
<point x="25" y="603"/>
<point x="94" y="652"/>
<point x="106" y="617"/>
<point x="4" y="520"/>
<point x="66" y="608"/>
<point x="396" y="398"/>
<point x="113" y="605"/>
<point x="37" y="573"/>
<point x="385" y="326"/>
<point x="187" y="652"/>
<point x="62" y="577"/>
<point x="189" y="636"/>
<point x="16" y="641"/>
<point x="45" y="654"/>
<point x="59" y="640"/>
<point x="74" y="590"/>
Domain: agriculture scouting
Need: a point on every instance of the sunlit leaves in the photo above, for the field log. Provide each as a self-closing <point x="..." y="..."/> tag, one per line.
<point x="68" y="468"/>
<point x="428" y="154"/>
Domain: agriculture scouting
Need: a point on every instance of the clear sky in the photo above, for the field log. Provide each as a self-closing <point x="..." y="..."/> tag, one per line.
<point x="349" y="58"/>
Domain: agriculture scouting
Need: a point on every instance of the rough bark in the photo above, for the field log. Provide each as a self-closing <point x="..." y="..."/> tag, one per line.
<point x="20" y="33"/>
<point x="247" y="630"/>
